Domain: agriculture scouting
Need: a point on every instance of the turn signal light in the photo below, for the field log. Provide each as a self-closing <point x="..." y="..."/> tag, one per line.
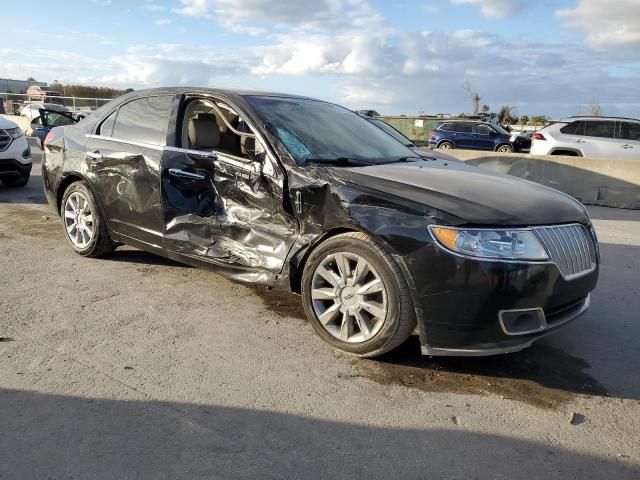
<point x="48" y="138"/>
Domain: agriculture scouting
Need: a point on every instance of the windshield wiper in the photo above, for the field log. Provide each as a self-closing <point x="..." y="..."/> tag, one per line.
<point x="412" y="158"/>
<point x="340" y="161"/>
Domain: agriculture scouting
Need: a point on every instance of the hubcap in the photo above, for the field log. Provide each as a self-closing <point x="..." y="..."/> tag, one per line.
<point x="349" y="297"/>
<point x="78" y="220"/>
<point x="446" y="146"/>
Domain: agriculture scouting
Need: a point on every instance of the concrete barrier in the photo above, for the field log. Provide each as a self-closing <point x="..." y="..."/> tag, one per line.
<point x="609" y="183"/>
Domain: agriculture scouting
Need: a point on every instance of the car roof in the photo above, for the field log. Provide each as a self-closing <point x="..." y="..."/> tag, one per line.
<point x="220" y="91"/>
<point x="586" y="117"/>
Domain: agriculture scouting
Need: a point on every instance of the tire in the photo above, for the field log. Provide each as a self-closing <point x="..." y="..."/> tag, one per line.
<point x="19" y="181"/>
<point x="504" y="149"/>
<point x="96" y="244"/>
<point x="378" y="321"/>
<point x="446" y="145"/>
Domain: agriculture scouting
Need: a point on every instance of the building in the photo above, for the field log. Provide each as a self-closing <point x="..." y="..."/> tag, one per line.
<point x="8" y="85"/>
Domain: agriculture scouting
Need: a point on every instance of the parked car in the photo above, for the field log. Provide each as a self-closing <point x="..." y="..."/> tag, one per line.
<point x="40" y="92"/>
<point x="424" y="152"/>
<point x="32" y="110"/>
<point x="48" y="119"/>
<point x="474" y="135"/>
<point x="15" y="155"/>
<point x="594" y="137"/>
<point x="308" y="196"/>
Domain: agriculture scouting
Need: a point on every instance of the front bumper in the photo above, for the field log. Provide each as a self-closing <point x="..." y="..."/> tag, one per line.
<point x="12" y="160"/>
<point x="461" y="302"/>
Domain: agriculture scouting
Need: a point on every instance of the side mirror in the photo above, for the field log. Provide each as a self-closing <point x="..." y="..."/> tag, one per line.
<point x="36" y="124"/>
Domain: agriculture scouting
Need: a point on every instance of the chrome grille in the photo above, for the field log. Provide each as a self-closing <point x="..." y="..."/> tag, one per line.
<point x="570" y="248"/>
<point x="5" y="140"/>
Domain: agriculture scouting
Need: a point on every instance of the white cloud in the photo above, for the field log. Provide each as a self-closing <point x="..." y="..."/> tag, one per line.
<point x="163" y="21"/>
<point x="101" y="3"/>
<point x="609" y="24"/>
<point x="254" y="15"/>
<point x="496" y="9"/>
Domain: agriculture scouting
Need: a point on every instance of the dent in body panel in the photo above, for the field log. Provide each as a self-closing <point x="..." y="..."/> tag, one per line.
<point x="234" y="217"/>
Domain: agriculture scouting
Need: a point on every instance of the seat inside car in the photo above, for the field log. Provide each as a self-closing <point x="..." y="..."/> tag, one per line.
<point x="203" y="132"/>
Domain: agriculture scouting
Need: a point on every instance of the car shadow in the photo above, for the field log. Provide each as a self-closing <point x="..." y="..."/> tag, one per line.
<point x="60" y="436"/>
<point x="31" y="193"/>
<point x="129" y="255"/>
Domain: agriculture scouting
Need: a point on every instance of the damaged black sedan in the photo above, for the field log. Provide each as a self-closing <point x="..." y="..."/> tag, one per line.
<point x="308" y="196"/>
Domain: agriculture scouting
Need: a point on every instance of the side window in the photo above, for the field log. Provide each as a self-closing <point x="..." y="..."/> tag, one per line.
<point x="464" y="127"/>
<point x="144" y="120"/>
<point x="574" y="128"/>
<point x="630" y="131"/>
<point x="482" y="130"/>
<point x="600" y="128"/>
<point x="211" y="125"/>
<point x="106" y="127"/>
<point x="447" y="127"/>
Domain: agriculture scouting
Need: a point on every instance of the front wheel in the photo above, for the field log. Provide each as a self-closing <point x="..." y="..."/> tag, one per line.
<point x="356" y="297"/>
<point x="504" y="149"/>
<point x="83" y="222"/>
<point x="446" y="146"/>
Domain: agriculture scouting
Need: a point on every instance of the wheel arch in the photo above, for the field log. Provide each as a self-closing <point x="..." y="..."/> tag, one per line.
<point x="447" y="140"/>
<point x="504" y="144"/>
<point x="70" y="179"/>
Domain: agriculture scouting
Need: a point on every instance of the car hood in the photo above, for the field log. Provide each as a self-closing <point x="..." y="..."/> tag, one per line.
<point x="4" y="123"/>
<point x="475" y="195"/>
<point x="431" y="153"/>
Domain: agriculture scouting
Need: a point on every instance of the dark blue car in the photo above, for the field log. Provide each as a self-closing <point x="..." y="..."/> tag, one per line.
<point x="472" y="135"/>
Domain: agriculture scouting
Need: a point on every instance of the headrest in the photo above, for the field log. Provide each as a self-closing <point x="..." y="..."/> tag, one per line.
<point x="203" y="131"/>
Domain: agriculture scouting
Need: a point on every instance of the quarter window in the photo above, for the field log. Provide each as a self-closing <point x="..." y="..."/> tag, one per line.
<point x="574" y="128"/>
<point x="599" y="128"/>
<point x="106" y="127"/>
<point x="447" y="127"/>
<point x="144" y="120"/>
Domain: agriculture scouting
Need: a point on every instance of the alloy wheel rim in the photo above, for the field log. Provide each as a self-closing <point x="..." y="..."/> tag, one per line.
<point x="349" y="297"/>
<point x="446" y="146"/>
<point x="78" y="220"/>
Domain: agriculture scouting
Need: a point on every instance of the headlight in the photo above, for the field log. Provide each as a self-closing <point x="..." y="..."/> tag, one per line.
<point x="506" y="244"/>
<point x="14" y="132"/>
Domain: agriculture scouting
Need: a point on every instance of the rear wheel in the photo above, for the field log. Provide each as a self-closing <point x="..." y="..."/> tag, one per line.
<point x="356" y="297"/>
<point x="446" y="146"/>
<point x="18" y="181"/>
<point x="83" y="222"/>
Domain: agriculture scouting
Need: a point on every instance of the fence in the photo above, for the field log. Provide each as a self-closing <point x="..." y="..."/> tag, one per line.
<point x="14" y="102"/>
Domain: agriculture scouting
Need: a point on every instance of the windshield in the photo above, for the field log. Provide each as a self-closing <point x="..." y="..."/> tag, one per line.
<point x="315" y="130"/>
<point x="393" y="132"/>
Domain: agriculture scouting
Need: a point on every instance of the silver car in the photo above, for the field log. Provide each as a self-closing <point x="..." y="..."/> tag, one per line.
<point x="594" y="137"/>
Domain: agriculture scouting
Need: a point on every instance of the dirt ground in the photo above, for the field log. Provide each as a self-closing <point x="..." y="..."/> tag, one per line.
<point x="134" y="366"/>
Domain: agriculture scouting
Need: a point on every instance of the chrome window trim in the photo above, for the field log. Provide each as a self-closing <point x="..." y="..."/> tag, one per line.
<point x="550" y="261"/>
<point x="128" y="142"/>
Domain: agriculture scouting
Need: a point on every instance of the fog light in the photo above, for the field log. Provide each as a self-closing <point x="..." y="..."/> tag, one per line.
<point x="27" y="153"/>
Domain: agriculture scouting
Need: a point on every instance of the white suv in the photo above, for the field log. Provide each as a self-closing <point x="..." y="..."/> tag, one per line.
<point x="15" y="155"/>
<point x="595" y="137"/>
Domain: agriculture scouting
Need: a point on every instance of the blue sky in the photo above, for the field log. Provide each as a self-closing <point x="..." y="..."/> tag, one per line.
<point x="397" y="56"/>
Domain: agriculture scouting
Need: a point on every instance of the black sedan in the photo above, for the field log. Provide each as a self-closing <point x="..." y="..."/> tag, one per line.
<point x="308" y="196"/>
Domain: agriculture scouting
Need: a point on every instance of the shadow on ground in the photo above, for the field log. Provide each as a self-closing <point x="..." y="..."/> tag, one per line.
<point x="54" y="436"/>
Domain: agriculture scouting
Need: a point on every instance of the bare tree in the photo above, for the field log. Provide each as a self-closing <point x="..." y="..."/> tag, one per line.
<point x="595" y="110"/>
<point x="475" y="98"/>
<point x="507" y="115"/>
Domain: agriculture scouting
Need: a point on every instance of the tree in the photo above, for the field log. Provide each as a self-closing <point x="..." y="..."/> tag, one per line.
<point x="31" y="79"/>
<point x="538" y="120"/>
<point x="486" y="108"/>
<point x="506" y="115"/>
<point x="475" y="98"/>
<point x="524" y="120"/>
<point x="595" y="110"/>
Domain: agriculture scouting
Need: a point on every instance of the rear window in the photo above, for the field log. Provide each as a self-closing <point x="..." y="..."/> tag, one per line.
<point x="143" y="120"/>
<point x="447" y="127"/>
<point x="600" y="128"/>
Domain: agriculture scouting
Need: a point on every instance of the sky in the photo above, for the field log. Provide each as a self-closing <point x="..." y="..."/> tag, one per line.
<point x="543" y="57"/>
